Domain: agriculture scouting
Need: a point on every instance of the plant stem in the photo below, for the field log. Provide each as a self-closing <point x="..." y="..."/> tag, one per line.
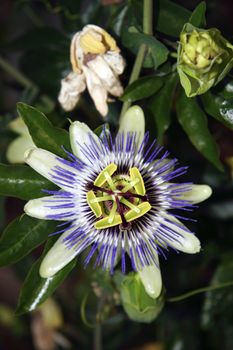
<point x="24" y="81"/>
<point x="147" y="29"/>
<point x="148" y="17"/>
<point x="98" y="337"/>
<point x="199" y="290"/>
<point x="98" y="327"/>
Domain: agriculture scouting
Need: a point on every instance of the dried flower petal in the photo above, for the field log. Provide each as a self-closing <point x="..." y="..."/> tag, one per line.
<point x="71" y="88"/>
<point x="96" y="63"/>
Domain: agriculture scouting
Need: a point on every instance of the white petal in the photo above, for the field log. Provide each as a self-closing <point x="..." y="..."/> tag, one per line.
<point x="109" y="80"/>
<point x="57" y="257"/>
<point x="16" y="149"/>
<point x="71" y="88"/>
<point x="115" y="61"/>
<point x="46" y="208"/>
<point x="45" y="163"/>
<point x="97" y="91"/>
<point x="133" y="121"/>
<point x="151" y="280"/>
<point x="197" y="194"/>
<point x="185" y="241"/>
<point x="81" y="134"/>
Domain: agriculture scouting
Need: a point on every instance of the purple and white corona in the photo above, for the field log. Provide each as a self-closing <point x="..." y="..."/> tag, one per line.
<point x="117" y="198"/>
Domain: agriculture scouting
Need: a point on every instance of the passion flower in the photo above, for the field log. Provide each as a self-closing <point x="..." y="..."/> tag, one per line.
<point x="116" y="198"/>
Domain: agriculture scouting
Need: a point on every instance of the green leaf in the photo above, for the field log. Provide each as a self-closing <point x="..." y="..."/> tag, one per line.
<point x="21" y="236"/>
<point x="219" y="108"/>
<point x="161" y="105"/>
<point x="157" y="52"/>
<point x="171" y="18"/>
<point x="36" y="289"/>
<point x="194" y="122"/>
<point x="142" y="88"/>
<point x="43" y="133"/>
<point x="198" y="16"/>
<point x="22" y="182"/>
<point x="218" y="303"/>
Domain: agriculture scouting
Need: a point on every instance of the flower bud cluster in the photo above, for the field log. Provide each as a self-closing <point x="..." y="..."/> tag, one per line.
<point x="200" y="50"/>
<point x="204" y="59"/>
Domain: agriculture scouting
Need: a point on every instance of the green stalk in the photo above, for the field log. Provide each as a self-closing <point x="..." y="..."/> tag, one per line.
<point x="24" y="81"/>
<point x="98" y="328"/>
<point x="18" y="76"/>
<point x="98" y="337"/>
<point x="199" y="290"/>
<point x="147" y="29"/>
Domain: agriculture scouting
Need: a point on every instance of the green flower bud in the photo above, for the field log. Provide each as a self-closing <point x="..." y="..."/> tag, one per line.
<point x="204" y="59"/>
<point x="138" y="305"/>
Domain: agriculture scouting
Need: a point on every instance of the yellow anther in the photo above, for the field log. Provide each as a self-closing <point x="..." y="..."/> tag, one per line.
<point x="95" y="207"/>
<point x="130" y="205"/>
<point x="103" y="223"/>
<point x="144" y="208"/>
<point x="101" y="178"/>
<point x="90" y="44"/>
<point x="139" y="187"/>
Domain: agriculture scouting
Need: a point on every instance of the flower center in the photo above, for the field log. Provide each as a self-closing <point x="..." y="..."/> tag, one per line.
<point x="118" y="199"/>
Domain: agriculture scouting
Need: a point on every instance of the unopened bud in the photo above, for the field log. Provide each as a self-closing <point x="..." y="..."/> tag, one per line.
<point x="204" y="58"/>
